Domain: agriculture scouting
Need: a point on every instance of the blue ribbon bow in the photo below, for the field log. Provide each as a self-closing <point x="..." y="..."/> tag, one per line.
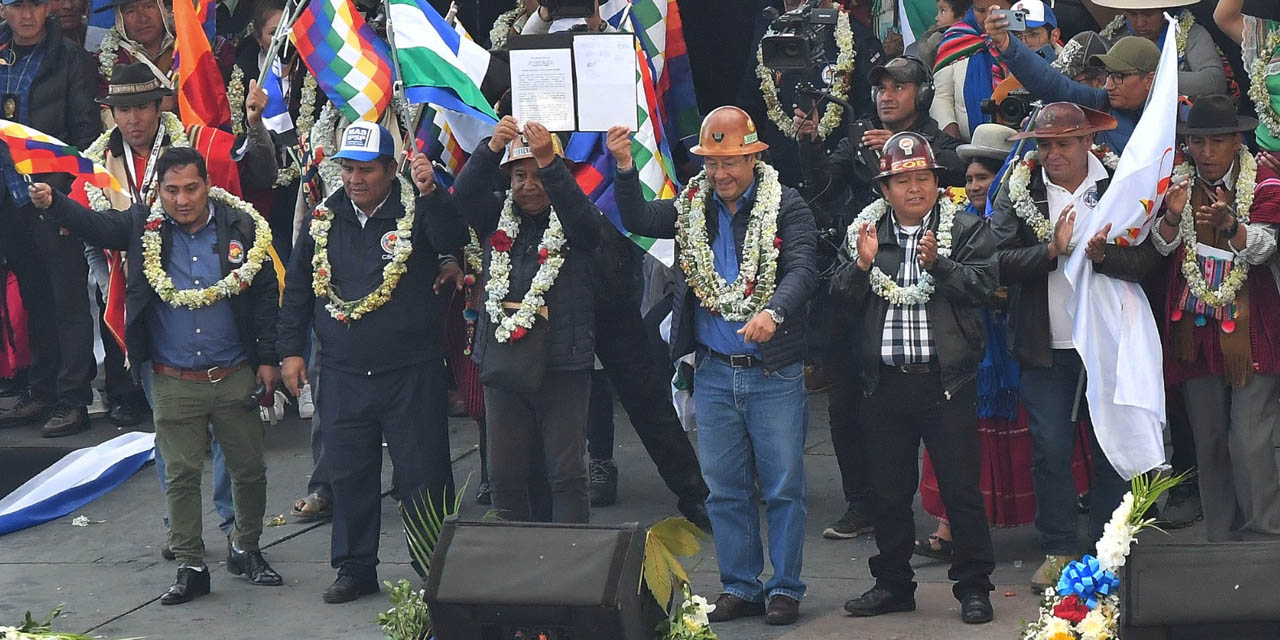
<point x="1087" y="580"/>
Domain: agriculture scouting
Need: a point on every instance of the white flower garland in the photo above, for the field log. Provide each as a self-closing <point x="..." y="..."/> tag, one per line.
<point x="235" y="98"/>
<point x="323" y="138"/>
<point x="550" y="254"/>
<point x="1226" y="292"/>
<point x="1119" y="24"/>
<point x="1258" y="83"/>
<point x="882" y="284"/>
<point x="757" y="269"/>
<point x="1020" y="194"/>
<point x="170" y="126"/>
<point x="322" y="272"/>
<point x="108" y="52"/>
<point x="233" y="283"/>
<point x="503" y="25"/>
<point x="840" y="83"/>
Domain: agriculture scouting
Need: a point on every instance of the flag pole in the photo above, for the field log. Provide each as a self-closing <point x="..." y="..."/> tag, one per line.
<point x="280" y="36"/>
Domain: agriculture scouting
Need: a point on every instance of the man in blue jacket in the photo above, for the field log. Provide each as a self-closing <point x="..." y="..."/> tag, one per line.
<point x="1131" y="69"/>
<point x="372" y="249"/>
<point x="745" y="246"/>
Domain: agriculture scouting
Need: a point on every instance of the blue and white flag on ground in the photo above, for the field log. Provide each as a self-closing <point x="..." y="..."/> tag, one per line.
<point x="79" y="478"/>
<point x="1114" y="330"/>
<point x="438" y="65"/>
<point x="276" y="114"/>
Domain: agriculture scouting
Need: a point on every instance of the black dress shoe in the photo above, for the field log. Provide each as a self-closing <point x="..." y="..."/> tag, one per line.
<point x="124" y="414"/>
<point x="879" y="601"/>
<point x="347" y="588"/>
<point x="731" y="607"/>
<point x="190" y="583"/>
<point x="27" y="411"/>
<point x="252" y="565"/>
<point x="975" y="608"/>
<point x="65" y="421"/>
<point x="782" y="610"/>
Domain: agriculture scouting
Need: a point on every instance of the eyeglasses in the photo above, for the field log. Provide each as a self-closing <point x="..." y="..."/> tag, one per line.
<point x="728" y="164"/>
<point x="1118" y="77"/>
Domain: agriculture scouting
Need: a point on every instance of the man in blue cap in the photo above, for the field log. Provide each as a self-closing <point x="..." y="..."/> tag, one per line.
<point x="363" y="271"/>
<point x="1041" y="34"/>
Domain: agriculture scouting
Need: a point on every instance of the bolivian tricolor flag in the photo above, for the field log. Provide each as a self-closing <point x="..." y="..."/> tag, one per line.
<point x="202" y="94"/>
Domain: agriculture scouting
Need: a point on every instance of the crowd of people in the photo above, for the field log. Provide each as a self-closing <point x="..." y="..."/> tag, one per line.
<point x="908" y="257"/>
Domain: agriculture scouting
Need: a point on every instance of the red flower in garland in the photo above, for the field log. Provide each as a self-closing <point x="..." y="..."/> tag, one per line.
<point x="518" y="332"/>
<point x="1071" y="609"/>
<point x="468" y="279"/>
<point x="317" y="213"/>
<point x="542" y="255"/>
<point x="322" y="272"/>
<point x="501" y="241"/>
<point x="152" y="225"/>
<point x="693" y="193"/>
<point x="777" y="242"/>
<point x="751" y="288"/>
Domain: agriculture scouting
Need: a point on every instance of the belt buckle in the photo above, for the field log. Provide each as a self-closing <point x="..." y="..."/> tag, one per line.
<point x="740" y="361"/>
<point x="209" y="374"/>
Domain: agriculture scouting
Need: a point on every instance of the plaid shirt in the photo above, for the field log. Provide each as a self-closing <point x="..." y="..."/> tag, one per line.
<point x="907" y="337"/>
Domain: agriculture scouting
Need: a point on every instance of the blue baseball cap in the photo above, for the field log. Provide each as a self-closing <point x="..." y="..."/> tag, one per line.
<point x="364" y="141"/>
<point x="1039" y="13"/>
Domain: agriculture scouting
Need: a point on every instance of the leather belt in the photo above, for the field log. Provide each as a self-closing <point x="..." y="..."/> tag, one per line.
<point x="211" y="375"/>
<point x="737" y="362"/>
<point x="914" y="368"/>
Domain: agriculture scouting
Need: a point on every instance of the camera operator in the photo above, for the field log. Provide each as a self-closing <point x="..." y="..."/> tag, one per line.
<point x="1131" y="70"/>
<point x="771" y="96"/>
<point x="902" y="89"/>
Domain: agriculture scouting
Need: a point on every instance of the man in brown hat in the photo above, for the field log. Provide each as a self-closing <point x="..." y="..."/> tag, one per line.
<point x="1131" y="69"/>
<point x="745" y="247"/>
<point x="1221" y="216"/>
<point x="1035" y="219"/>
<point x="922" y="339"/>
<point x="1200" y="64"/>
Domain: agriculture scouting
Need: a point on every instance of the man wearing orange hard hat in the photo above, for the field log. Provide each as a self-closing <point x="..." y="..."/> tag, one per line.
<point x="745" y="248"/>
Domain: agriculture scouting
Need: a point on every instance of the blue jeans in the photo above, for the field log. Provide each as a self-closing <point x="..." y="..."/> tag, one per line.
<point x="747" y="415"/>
<point x="1049" y="395"/>
<point x="222" y="502"/>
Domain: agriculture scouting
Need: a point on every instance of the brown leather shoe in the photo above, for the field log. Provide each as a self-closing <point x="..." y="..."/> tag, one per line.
<point x="731" y="607"/>
<point x="782" y="610"/>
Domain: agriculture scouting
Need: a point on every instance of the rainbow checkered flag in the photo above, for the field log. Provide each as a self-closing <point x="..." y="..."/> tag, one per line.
<point x="349" y="61"/>
<point x="36" y="152"/>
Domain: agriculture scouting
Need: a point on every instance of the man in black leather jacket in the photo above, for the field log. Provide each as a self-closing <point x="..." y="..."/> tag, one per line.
<point x="1065" y="183"/>
<point x="48" y="85"/>
<point x="919" y="269"/>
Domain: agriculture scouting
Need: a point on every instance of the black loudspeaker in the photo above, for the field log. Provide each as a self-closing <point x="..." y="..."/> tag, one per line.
<point x="521" y="580"/>
<point x="1201" y="591"/>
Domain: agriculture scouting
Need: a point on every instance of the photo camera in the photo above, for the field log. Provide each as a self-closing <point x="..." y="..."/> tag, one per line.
<point x="795" y="40"/>
<point x="569" y="8"/>
<point x="1012" y="110"/>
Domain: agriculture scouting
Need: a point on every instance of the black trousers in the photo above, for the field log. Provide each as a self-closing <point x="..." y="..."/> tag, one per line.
<point x="905" y="409"/>
<point x="407" y="408"/>
<point x="120" y="387"/>
<point x="644" y="387"/>
<point x="844" y="400"/>
<point x="53" y="278"/>
<point x="552" y="422"/>
<point x="600" y="417"/>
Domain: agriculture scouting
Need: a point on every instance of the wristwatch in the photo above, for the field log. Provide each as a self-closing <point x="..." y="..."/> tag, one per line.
<point x="775" y="314"/>
<point x="1230" y="232"/>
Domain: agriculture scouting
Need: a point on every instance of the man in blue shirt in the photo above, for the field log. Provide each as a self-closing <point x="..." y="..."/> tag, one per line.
<point x="201" y="304"/>
<point x="745" y="246"/>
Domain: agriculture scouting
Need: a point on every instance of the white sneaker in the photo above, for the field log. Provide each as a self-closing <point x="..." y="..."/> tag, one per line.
<point x="273" y="413"/>
<point x="306" y="406"/>
<point x="99" y="407"/>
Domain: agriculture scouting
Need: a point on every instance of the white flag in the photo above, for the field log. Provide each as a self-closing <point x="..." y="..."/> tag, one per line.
<point x="1114" y="330"/>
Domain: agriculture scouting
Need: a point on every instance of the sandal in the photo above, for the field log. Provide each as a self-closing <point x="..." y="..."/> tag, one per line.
<point x="311" y="508"/>
<point x="925" y="547"/>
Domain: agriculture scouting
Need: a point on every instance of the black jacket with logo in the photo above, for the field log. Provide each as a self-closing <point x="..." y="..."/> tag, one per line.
<point x="407" y="330"/>
<point x="255" y="309"/>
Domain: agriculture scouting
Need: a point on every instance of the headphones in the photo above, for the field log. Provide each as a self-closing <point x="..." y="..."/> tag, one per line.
<point x="924" y="93"/>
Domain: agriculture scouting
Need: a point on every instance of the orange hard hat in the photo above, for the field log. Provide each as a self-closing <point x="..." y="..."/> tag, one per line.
<point x="728" y="131"/>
